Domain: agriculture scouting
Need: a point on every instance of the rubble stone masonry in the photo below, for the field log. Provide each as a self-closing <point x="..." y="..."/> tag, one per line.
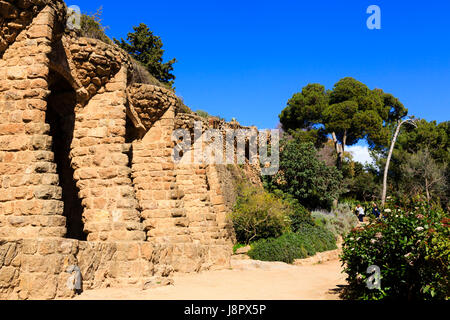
<point x="87" y="176"/>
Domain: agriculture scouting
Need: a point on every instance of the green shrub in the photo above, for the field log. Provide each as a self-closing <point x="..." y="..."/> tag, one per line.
<point x="317" y="238"/>
<point x="304" y="176"/>
<point x="412" y="249"/>
<point x="299" y="216"/>
<point x="290" y="246"/>
<point x="298" y="213"/>
<point x="340" y="221"/>
<point x="238" y="246"/>
<point x="259" y="215"/>
<point x="286" y="248"/>
<point x="202" y="114"/>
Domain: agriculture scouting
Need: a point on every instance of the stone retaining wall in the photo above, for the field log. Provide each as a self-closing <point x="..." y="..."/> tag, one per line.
<point x="87" y="154"/>
<point x="36" y="268"/>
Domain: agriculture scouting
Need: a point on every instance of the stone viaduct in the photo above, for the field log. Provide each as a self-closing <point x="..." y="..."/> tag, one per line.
<point x="86" y="170"/>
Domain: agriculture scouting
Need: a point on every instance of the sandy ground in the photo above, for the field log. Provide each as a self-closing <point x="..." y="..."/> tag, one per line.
<point x="246" y="280"/>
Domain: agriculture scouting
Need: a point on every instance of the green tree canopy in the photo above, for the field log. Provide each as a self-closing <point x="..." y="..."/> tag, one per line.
<point x="146" y="48"/>
<point x="427" y="135"/>
<point x="350" y="112"/>
<point x="304" y="176"/>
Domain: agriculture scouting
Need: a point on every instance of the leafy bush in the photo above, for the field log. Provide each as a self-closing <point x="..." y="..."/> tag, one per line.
<point x="304" y="176"/>
<point x="411" y="247"/>
<point x="340" y="221"/>
<point x="316" y="238"/>
<point x="298" y="213"/>
<point x="290" y="246"/>
<point x="258" y="214"/>
<point x="286" y="248"/>
<point x="299" y="216"/>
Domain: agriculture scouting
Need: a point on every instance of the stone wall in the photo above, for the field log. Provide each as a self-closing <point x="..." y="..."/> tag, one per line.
<point x="36" y="268"/>
<point x="86" y="154"/>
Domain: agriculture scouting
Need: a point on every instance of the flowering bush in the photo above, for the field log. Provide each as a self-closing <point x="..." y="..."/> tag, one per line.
<point x="411" y="246"/>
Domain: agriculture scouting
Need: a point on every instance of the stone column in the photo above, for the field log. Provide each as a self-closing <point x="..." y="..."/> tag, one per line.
<point x="159" y="197"/>
<point x="100" y="159"/>
<point x="30" y="198"/>
<point x="218" y="205"/>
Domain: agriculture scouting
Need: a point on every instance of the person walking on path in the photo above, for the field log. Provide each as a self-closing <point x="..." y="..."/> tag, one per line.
<point x="375" y="211"/>
<point x="360" y="212"/>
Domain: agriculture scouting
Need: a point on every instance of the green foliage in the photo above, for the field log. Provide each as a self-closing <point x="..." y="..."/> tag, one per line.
<point x="305" y="108"/>
<point x="365" y="186"/>
<point x="182" y="107"/>
<point x="146" y="48"/>
<point x="423" y="175"/>
<point x="297" y="213"/>
<point x="412" y="248"/>
<point x="316" y="136"/>
<point x="92" y="27"/>
<point x="206" y="115"/>
<point x="140" y="74"/>
<point x="428" y="135"/>
<point x="286" y="248"/>
<point x="258" y="214"/>
<point x="304" y="176"/>
<point x="290" y="246"/>
<point x="202" y="114"/>
<point x="299" y="216"/>
<point x="340" y="221"/>
<point x="362" y="183"/>
<point x="238" y="246"/>
<point x="351" y="110"/>
<point x="412" y="140"/>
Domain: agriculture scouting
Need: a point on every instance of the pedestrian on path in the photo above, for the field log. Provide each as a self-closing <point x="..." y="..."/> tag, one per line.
<point x="360" y="212"/>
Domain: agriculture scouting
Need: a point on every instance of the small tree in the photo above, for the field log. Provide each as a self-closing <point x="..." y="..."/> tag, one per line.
<point x="423" y="175"/>
<point x="146" y="48"/>
<point x="304" y="176"/>
<point x="259" y="215"/>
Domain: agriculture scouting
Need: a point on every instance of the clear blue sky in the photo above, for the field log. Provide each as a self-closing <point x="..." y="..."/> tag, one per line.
<point x="246" y="58"/>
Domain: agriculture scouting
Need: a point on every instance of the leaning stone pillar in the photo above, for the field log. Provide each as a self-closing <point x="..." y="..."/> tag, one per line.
<point x="102" y="172"/>
<point x="154" y="176"/>
<point x="30" y="198"/>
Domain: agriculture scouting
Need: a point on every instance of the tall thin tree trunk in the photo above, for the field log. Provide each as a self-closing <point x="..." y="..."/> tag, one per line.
<point x="344" y="143"/>
<point x="339" y="151"/>
<point x="427" y="190"/>
<point x="388" y="161"/>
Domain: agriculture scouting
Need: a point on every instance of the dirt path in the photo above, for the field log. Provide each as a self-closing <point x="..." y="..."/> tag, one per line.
<point x="247" y="280"/>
